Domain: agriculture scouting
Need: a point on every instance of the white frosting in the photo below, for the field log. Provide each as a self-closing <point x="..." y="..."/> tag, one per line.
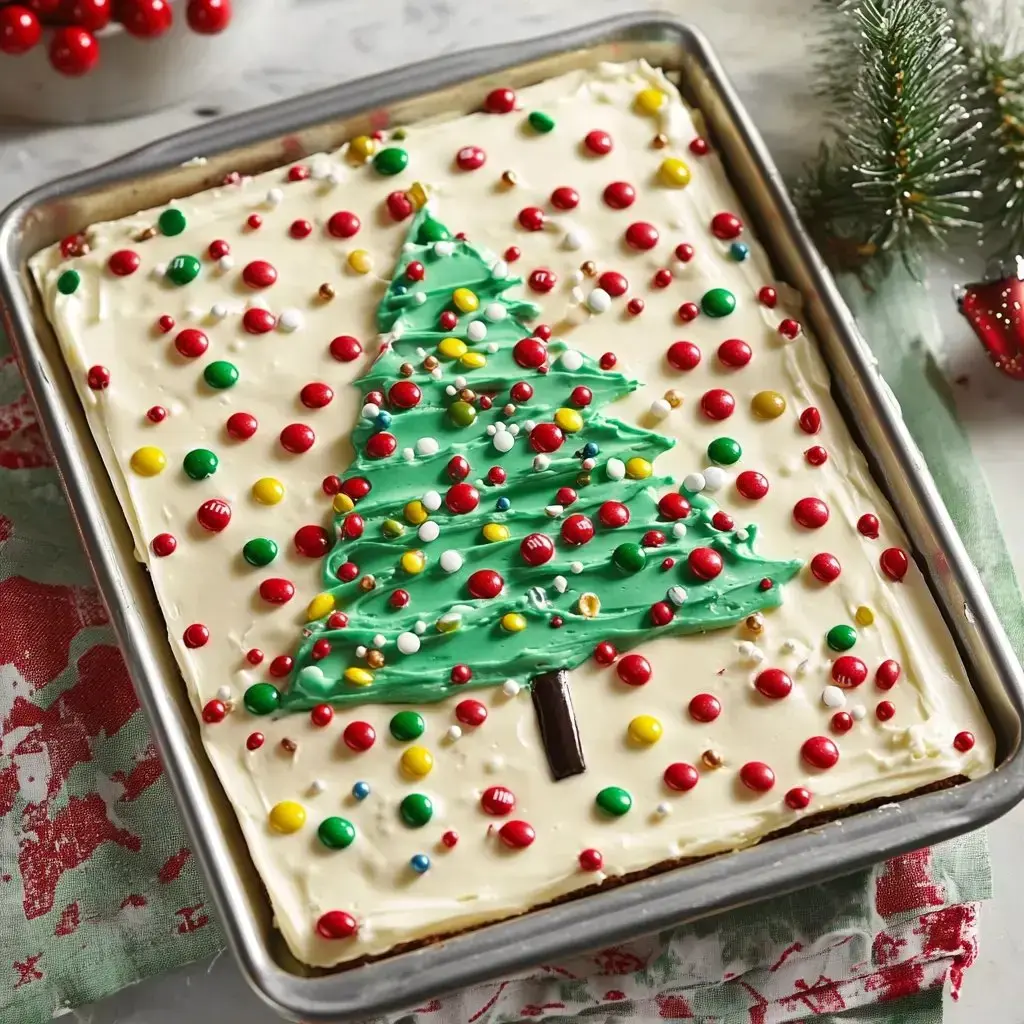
<point x="109" y="321"/>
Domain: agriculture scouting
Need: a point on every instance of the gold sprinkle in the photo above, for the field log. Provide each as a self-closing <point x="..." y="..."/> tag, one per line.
<point x="509" y="178"/>
<point x="660" y="141"/>
<point x="406" y="369"/>
<point x="326" y="292"/>
<point x="589" y="268"/>
<point x="467" y="395"/>
<point x="755" y="623"/>
<point x="289" y="745"/>
<point x="583" y="479"/>
<point x="589" y="605"/>
<point x="431" y="363"/>
<point x="144" y="235"/>
<point x="674" y="398"/>
<point x="712" y="759"/>
<point x="375" y="659"/>
<point x="367" y="583"/>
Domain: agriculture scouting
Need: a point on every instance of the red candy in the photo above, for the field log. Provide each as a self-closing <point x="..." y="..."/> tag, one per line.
<point x="254" y="741"/>
<point x="542" y="281"/>
<point x="894" y="563"/>
<point x="532" y="218"/>
<point x="662" y="278"/>
<point x="868" y="526"/>
<point x="591" y="860"/>
<point x="281" y="666"/>
<point x="662" y="613"/>
<point x="336" y="924"/>
<point x="164" y="544"/>
<point x="704" y="563"/>
<point x="722" y="521"/>
<point x="359" y="736"/>
<point x="322" y="715"/>
<point x="214" y="711"/>
<point x="704" y="707"/>
<point x="681" y="776"/>
<point x="345" y="348"/>
<point x="343" y="224"/>
<point x="605" y="653"/>
<point x="810" y="420"/>
<point x="581" y="396"/>
<point x="165" y="324"/>
<point x="619" y="195"/>
<point x="124" y="262"/>
<point x="461" y="674"/>
<point x="757" y="776"/>
<point x="521" y="391"/>
<point x="635" y="306"/>
<point x="191" y="343"/>
<point x="457" y="468"/>
<point x="634" y="670"/>
<point x="320" y="649"/>
<point x="798" y="798"/>
<point x="500" y="101"/>
<point x="884" y="710"/>
<point x="156" y="414"/>
<point x="887" y="674"/>
<point x="565" y="198"/>
<point x="717" y="404"/>
<point x="196" y="635"/>
<point x="146" y="19"/>
<point x="688" y="311"/>
<point x="485" y="584"/>
<point x="404" y="394"/>
<point x="19" y="30"/>
<point x="399" y="206"/>
<point x="297" y="438"/>
<point x="614" y="283"/>
<point x="773" y="683"/>
<point x="496" y="475"/>
<point x="641" y="236"/>
<point x="789" y="329"/>
<point x="381" y="445"/>
<point x="462" y="498"/>
<point x="849" y="671"/>
<point x="577" y="529"/>
<point x="752" y="485"/>
<point x="316" y="395"/>
<point x="608" y="361"/>
<point x="613" y="514"/>
<point x="398" y="598"/>
<point x="241" y="425"/>
<point x="214" y="515"/>
<point x="734" y="353"/>
<point x="517" y="834"/>
<point x="258" y="321"/>
<point x="841" y="722"/>
<point x="546" y="437"/>
<point x="768" y="296"/>
<point x="259" y="274"/>
<point x="825" y="567"/>
<point x="963" y="741"/>
<point x="673" y="506"/>
<point x="684" y="252"/>
<point x="498" y="801"/>
<point x="74" y="51"/>
<point x="471" y="712"/>
<point x="450" y="838"/>
<point x="811" y="513"/>
<point x="820" y="752"/>
<point x="312" y="541"/>
<point x="699" y="146"/>
<point x="254" y="656"/>
<point x="816" y="456"/>
<point x="277" y="590"/>
<point x="683" y="355"/>
<point x="597" y="142"/>
<point x="726" y="226"/>
<point x="470" y="158"/>
<point x="530" y="353"/>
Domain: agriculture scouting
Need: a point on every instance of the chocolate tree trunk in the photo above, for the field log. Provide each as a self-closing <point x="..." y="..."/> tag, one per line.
<point x="552" y="700"/>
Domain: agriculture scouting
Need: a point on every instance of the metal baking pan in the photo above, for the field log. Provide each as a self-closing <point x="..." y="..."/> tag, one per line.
<point x="267" y="138"/>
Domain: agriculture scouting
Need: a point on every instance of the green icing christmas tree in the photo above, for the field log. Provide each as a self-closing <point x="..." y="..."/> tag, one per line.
<point x="479" y="451"/>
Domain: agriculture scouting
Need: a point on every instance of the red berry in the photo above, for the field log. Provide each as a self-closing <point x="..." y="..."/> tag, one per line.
<point x="963" y="741"/>
<point x="74" y="51"/>
<point x="164" y="544"/>
<point x="849" y="671"/>
<point x="597" y="142"/>
<point x="462" y="498"/>
<point x="868" y="526"/>
<point x="214" y="515"/>
<point x="359" y="736"/>
<point x="684" y="252"/>
<point x="297" y="438"/>
<point x="277" y="590"/>
<point x="756" y="775"/>
<point x="497" y="800"/>
<point x="681" y="777"/>
<point x="641" y="236"/>
<point x="312" y="541"/>
<point x="773" y="683"/>
<point x="531" y="218"/>
<point x="404" y="394"/>
<point x="517" y="834"/>
<point x="608" y="361"/>
<point x="605" y="653"/>
<point x="124" y="262"/>
<point x="704" y="563"/>
<point x="810" y="420"/>
<point x="450" y="838"/>
<point x="798" y="798"/>
<point x="281" y="666"/>
<point x="536" y="549"/>
<point x="530" y="353"/>
<point x="500" y="101"/>
<point x="399" y="206"/>
<point x="322" y="715"/>
<point x="485" y="584"/>
<point x="841" y="722"/>
<point x="521" y="391"/>
<point x="825" y="567"/>
<point x="816" y="456"/>
<point x="214" y="711"/>
<point x="673" y="506"/>
<point x="683" y="355"/>
<point x="146" y="19"/>
<point x="789" y="329"/>
<point x="258" y="321"/>
<point x="767" y="296"/>
<point x="381" y="445"/>
<point x="634" y="670"/>
<point x="613" y="514"/>
<point x="581" y="396"/>
<point x="662" y="278"/>
<point x="704" y="707"/>
<point x="343" y="224"/>
<point x="471" y="712"/>
<point x="321" y="648"/>
<point x="894" y="563"/>
<point x="542" y="281"/>
<point x="300" y="228"/>
<point x="717" y="404"/>
<point x="259" y="274"/>
<point x="734" y="353"/>
<point x="241" y="425"/>
<point x="254" y="656"/>
<point x="726" y="226"/>
<point x="345" y="348"/>
<point x="887" y="674"/>
<point x="336" y="924"/>
<point x="752" y="485"/>
<point x="208" y="17"/>
<point x="565" y="198"/>
<point x="19" y="30"/>
<point x="254" y="741"/>
<point x="820" y="752"/>
<point x="577" y="529"/>
<point x="196" y="635"/>
<point x="470" y="158"/>
<point x="461" y="674"/>
<point x="699" y="146"/>
<point x="884" y="710"/>
<point x="614" y="283"/>
<point x="591" y="860"/>
<point x="811" y="513"/>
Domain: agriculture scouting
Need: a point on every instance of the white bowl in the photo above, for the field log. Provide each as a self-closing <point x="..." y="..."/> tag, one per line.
<point x="135" y="76"/>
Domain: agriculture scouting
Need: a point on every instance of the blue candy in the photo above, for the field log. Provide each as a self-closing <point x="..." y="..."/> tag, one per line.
<point x="420" y="863"/>
<point x="361" y="790"/>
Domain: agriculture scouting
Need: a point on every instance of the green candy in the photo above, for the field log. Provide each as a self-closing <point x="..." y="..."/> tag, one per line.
<point x="416" y="810"/>
<point x="629" y="557"/>
<point x="262" y="699"/>
<point x="540" y="122"/>
<point x="718" y="302"/>
<point x="221" y="374"/>
<point x="724" y="451"/>
<point x="432" y="231"/>
<point x="68" y="282"/>
<point x="259" y="551"/>
<point x="841" y="638"/>
<point x="407" y="725"/>
<point x="183" y="269"/>
<point x="200" y="463"/>
<point x="172" y="222"/>
<point x="391" y="161"/>
<point x="614" y="800"/>
<point x="392" y="528"/>
<point x="462" y="413"/>
<point x="336" y="833"/>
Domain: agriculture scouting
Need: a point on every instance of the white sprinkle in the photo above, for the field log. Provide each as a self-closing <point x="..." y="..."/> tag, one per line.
<point x="599" y="301"/>
<point x="444" y="248"/>
<point x="510" y="687"/>
<point x="223" y="693"/>
<point x="460" y="381"/>
<point x="159" y="270"/>
<point x="494" y="764"/>
<point x="576" y="568"/>
<point x="679" y="529"/>
<point x="428" y="531"/>
<point x="257" y="302"/>
<point x="492" y="347"/>
<point x="275" y="197"/>
<point x="431" y="501"/>
<point x="450" y="390"/>
<point x="408" y="643"/>
<point x="513" y="429"/>
<point x="745" y="648"/>
<point x="571" y="360"/>
<point x="218" y="311"/>
<point x="477" y="330"/>
<point x="454" y="733"/>
<point x="379" y="640"/>
<point x="578" y="277"/>
<point x="408" y="247"/>
<point x="370" y="411"/>
<point x="420" y="627"/>
<point x="743" y="533"/>
<point x="676" y="595"/>
<point x="561" y="584"/>
<point x="616" y="469"/>
<point x="319" y="168"/>
<point x="833" y="697"/>
<point x="757" y="655"/>
<point x="360" y="651"/>
<point x="335" y="177"/>
<point x="316" y="787"/>
<point x="788" y="646"/>
<point x="715" y="478"/>
<point x="492" y="429"/>
<point x="574" y="239"/>
<point x="577" y="295"/>
<point x="408" y="454"/>
<point x="421" y="353"/>
<point x="541" y="462"/>
<point x="504" y="441"/>
<point x="419" y="298"/>
<point x="226" y="263"/>
<point x="694" y="482"/>
<point x="858" y="712"/>
<point x="660" y="408"/>
<point x="495" y="311"/>
<point x="528" y="425"/>
<point x="664" y="809"/>
<point x="588" y="464"/>
<point x="451" y="561"/>
<point x="437" y="373"/>
<point x="553" y="511"/>
<point x="499" y="270"/>
<point x="427" y="446"/>
<point x="289" y="320"/>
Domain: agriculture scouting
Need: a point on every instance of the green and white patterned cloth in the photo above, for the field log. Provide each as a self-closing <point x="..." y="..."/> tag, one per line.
<point x="98" y="888"/>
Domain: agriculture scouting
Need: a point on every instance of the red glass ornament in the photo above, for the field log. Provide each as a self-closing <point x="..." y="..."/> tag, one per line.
<point x="164" y="544"/>
<point x="684" y="252"/>
<point x="500" y="101"/>
<point x="450" y="838"/>
<point x="868" y="526"/>
<point x="277" y="590"/>
<point x="673" y="506"/>
<point x="789" y="328"/>
<point x="343" y="224"/>
<point x="399" y="206"/>
<point x="894" y="563"/>
<point x="619" y="195"/>
<point x="336" y="924"/>
<point x="209" y="17"/>
<point x="848" y="671"/>
<point x="614" y="283"/>
<point x="887" y="674"/>
<point x="752" y="485"/>
<point x="734" y="353"/>
<point x="470" y="158"/>
<point x="496" y="475"/>
<point x="73" y="51"/>
<point x="757" y="776"/>
<point x="124" y="262"/>
<point x="683" y="355"/>
<point x="597" y="142"/>
<point x="825" y="567"/>
<point x="634" y="670"/>
<point x="704" y="707"/>
<point x="768" y="296"/>
<point x="359" y="736"/>
<point x="258" y="321"/>
<point x="798" y="798"/>
<point x="723" y="521"/>
<point x="820" y="752"/>
<point x="704" y="563"/>
<point x="19" y="30"/>
<point x="146" y="19"/>
<point x="613" y="514"/>
<point x="816" y="456"/>
<point x="214" y="711"/>
<point x="281" y="666"/>
<point x="316" y="395"/>
<point x="773" y="683"/>
<point x="531" y="218"/>
<point x="811" y="513"/>
<point x="196" y="635"/>
<point x="605" y="653"/>
<point x="993" y="309"/>
<point x="717" y="404"/>
<point x="681" y="776"/>
<point x="381" y="445"/>
<point x="322" y="715"/>
<point x="321" y="648"/>
<point x="688" y="311"/>
<point x="810" y="420"/>
<point x="214" y="515"/>
<point x="517" y="834"/>
<point x="485" y="584"/>
<point x="591" y="860"/>
<point x="312" y="541"/>
<point x="461" y="674"/>
<point x="577" y="529"/>
<point x="565" y="198"/>
<point x="641" y="236"/>
<point x="530" y="353"/>
<point x="726" y="226"/>
<point x="471" y="712"/>
<point x="963" y="741"/>
<point x="498" y="800"/>
<point x="462" y="498"/>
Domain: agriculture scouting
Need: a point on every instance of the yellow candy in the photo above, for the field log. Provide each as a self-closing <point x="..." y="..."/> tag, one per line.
<point x="321" y="605"/>
<point x="358" y="676"/>
<point x="645" y="729"/>
<point x="287" y="816"/>
<point x="513" y="622"/>
<point x="589" y="605"/>
<point x="417" y="761"/>
<point x="448" y="623"/>
<point x="864" y="616"/>
<point x="414" y="562"/>
<point x="465" y="300"/>
<point x="343" y="504"/>
<point x="649" y="101"/>
<point x="417" y="195"/>
<point x="363" y="147"/>
<point x="768" y="405"/>
<point x="360" y="261"/>
<point x="674" y="172"/>
<point x="451" y="348"/>
<point x="473" y="360"/>
<point x="148" y="461"/>
<point x="638" y="469"/>
<point x="267" y="490"/>
<point x="415" y="512"/>
<point x="496" y="531"/>
<point x="569" y="420"/>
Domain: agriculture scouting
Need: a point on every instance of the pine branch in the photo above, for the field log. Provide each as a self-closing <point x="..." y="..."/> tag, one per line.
<point x="898" y="175"/>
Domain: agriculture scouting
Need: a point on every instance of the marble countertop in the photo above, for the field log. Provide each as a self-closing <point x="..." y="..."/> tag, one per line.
<point x="768" y="49"/>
